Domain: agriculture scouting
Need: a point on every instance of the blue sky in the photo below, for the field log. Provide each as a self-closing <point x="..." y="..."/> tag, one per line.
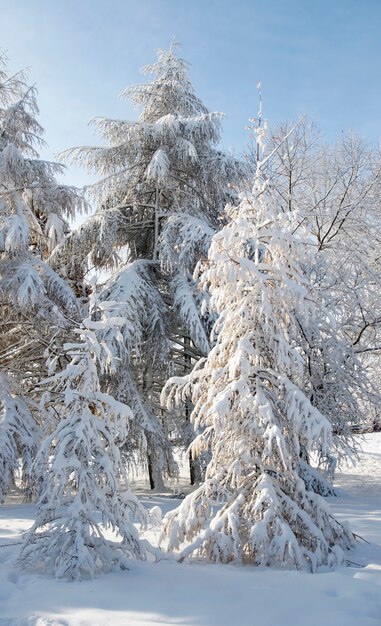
<point x="318" y="57"/>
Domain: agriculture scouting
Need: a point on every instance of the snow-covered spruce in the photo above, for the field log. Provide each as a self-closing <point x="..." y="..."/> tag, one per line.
<point x="250" y="405"/>
<point x="79" y="496"/>
<point x="35" y="302"/>
<point x="163" y="183"/>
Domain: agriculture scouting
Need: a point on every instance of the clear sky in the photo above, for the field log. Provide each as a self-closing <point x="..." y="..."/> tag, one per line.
<point x="320" y="57"/>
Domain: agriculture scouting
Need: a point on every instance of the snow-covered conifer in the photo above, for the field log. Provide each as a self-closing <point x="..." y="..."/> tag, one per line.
<point x="79" y="498"/>
<point x="250" y="404"/>
<point x="36" y="302"/>
<point x="163" y="183"/>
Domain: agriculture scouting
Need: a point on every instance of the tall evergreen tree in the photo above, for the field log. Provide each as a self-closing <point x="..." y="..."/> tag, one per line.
<point x="36" y="303"/>
<point x="249" y="401"/>
<point x="164" y="182"/>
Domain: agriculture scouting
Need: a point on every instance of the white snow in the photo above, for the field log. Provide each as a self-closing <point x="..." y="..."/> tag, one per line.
<point x="199" y="594"/>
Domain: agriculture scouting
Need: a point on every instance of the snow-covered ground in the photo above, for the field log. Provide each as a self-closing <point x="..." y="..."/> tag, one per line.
<point x="193" y="594"/>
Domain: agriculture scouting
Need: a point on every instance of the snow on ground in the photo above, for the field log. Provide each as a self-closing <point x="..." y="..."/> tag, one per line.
<point x="195" y="594"/>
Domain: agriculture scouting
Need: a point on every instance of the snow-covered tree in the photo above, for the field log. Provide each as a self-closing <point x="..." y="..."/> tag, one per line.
<point x="163" y="183"/>
<point x="80" y="461"/>
<point x="36" y="302"/>
<point x="335" y="189"/>
<point x="250" y="403"/>
<point x="336" y="380"/>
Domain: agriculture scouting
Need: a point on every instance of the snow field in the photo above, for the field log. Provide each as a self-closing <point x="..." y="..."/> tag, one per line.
<point x="200" y="594"/>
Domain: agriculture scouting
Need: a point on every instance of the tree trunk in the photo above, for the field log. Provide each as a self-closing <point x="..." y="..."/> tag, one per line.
<point x="194" y="464"/>
<point x="156" y="226"/>
<point x="150" y="472"/>
<point x="194" y="470"/>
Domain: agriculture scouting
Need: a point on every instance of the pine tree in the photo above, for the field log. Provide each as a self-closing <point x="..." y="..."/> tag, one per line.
<point x="36" y="302"/>
<point x="164" y="183"/>
<point x="250" y="404"/>
<point x="81" y="462"/>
